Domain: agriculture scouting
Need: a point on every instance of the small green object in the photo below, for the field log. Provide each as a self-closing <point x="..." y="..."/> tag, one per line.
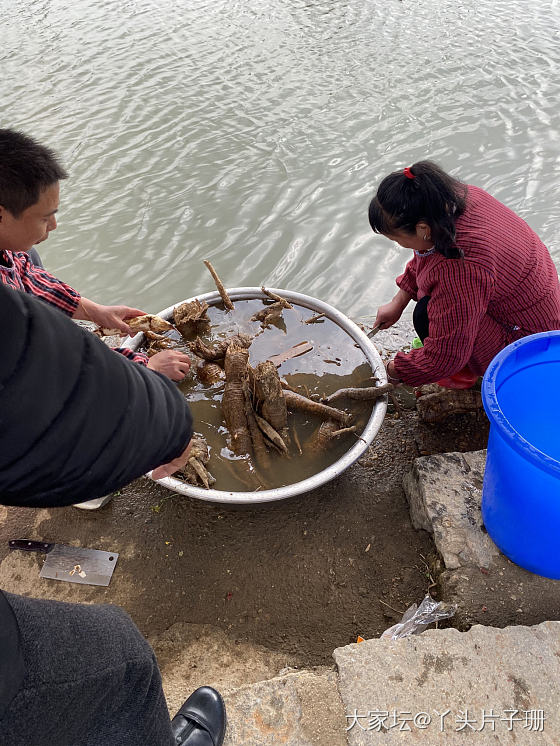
<point x="417" y="343"/>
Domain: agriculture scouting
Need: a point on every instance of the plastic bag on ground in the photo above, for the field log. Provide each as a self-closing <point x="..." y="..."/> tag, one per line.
<point x="417" y="618"/>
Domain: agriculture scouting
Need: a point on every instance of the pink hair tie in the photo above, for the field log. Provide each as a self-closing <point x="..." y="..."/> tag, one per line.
<point x="408" y="173"/>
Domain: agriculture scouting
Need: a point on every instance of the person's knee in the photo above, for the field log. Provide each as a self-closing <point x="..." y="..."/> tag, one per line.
<point x="88" y="669"/>
<point x="105" y="635"/>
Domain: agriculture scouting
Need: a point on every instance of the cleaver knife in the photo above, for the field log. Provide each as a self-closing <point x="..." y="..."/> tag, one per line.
<point x="73" y="564"/>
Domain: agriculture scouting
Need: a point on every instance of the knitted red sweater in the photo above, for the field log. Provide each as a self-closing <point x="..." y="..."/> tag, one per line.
<point x="505" y="288"/>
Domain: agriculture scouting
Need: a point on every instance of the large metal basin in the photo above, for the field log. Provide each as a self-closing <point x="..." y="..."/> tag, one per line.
<point x="311" y="483"/>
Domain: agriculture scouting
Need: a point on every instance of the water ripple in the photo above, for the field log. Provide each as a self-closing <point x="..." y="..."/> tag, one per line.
<point x="254" y="135"/>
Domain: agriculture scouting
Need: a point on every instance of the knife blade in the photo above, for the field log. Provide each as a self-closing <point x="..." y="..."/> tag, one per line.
<point x="71" y="564"/>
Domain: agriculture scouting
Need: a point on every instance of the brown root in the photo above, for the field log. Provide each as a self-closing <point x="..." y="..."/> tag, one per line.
<point x="322" y="437"/>
<point x="148" y="323"/>
<point x="269" y="314"/>
<point x="157" y="342"/>
<point x="300" y="349"/>
<point x="357" y="394"/>
<point x="195" y="468"/>
<point x="303" y="404"/>
<point x="221" y="289"/>
<point x="190" y="318"/>
<point x="218" y="350"/>
<point x="205" y="477"/>
<point x="206" y="352"/>
<point x="259" y="448"/>
<point x="343" y="431"/>
<point x="155" y="337"/>
<point x="199" y="448"/>
<point x="233" y="400"/>
<point x="286" y="386"/>
<point x="278" y="298"/>
<point x="210" y="373"/>
<point x="269" y="395"/>
<point x="271" y="434"/>
<point x="438" y="404"/>
<point x="236" y="362"/>
<point x="314" y="318"/>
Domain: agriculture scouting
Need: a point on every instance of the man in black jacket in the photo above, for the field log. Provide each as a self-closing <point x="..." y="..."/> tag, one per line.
<point x="77" y="421"/>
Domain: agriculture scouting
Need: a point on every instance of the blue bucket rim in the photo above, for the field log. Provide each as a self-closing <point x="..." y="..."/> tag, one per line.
<point x="498" y="418"/>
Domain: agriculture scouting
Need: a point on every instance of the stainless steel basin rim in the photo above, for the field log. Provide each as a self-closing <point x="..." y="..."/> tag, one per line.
<point x="366" y="437"/>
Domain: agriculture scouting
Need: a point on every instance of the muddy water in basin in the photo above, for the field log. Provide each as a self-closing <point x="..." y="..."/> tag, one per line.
<point x="333" y="361"/>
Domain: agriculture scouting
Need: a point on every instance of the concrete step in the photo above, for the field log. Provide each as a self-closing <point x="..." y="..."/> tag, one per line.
<point x="296" y="709"/>
<point x="268" y="700"/>
<point x="498" y="686"/>
<point x="193" y="655"/>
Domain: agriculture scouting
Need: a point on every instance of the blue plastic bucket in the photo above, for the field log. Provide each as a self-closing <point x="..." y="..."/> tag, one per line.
<point x="521" y="489"/>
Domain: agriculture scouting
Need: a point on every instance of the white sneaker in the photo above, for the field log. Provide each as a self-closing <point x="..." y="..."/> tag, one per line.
<point x="95" y="504"/>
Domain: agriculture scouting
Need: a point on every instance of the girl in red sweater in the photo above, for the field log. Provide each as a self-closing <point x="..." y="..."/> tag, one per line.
<point x="480" y="276"/>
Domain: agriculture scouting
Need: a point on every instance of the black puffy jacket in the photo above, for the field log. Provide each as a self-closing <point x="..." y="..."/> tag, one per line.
<point x="76" y="420"/>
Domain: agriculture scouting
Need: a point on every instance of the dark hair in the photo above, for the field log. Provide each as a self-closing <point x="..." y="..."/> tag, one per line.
<point x="428" y="194"/>
<point x="26" y="168"/>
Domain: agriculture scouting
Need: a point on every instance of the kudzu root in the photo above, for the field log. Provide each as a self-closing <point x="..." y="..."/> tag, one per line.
<point x="303" y="404"/>
<point x="360" y="394"/>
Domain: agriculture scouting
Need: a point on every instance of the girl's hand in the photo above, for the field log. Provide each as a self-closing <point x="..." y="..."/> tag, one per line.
<point x="391" y="312"/>
<point x="392" y="375"/>
<point x="388" y="314"/>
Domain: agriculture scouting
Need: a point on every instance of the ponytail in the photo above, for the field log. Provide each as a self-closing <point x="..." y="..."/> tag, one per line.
<point x="422" y="192"/>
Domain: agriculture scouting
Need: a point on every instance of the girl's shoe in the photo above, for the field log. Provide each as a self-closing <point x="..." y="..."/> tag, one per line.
<point x="464" y="379"/>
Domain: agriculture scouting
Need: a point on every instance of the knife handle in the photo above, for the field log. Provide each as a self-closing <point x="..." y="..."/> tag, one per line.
<point x="28" y="545"/>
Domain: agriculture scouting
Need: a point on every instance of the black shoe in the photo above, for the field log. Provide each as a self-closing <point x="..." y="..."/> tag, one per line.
<point x="201" y="721"/>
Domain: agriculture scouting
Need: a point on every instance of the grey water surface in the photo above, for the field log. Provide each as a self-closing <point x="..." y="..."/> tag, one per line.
<point x="253" y="134"/>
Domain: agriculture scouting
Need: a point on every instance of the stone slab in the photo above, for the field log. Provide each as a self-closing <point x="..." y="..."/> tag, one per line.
<point x="444" y="492"/>
<point x="298" y="709"/>
<point x="503" y="595"/>
<point x="484" y="679"/>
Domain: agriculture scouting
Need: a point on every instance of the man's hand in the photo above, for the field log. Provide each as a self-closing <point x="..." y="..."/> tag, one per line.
<point x="110" y="317"/>
<point x="166" y="470"/>
<point x="171" y="363"/>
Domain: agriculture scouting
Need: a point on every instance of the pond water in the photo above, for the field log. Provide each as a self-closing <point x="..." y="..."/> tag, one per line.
<point x="253" y="134"/>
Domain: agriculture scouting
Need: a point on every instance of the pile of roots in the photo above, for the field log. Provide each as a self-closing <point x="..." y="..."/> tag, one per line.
<point x="256" y="401"/>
